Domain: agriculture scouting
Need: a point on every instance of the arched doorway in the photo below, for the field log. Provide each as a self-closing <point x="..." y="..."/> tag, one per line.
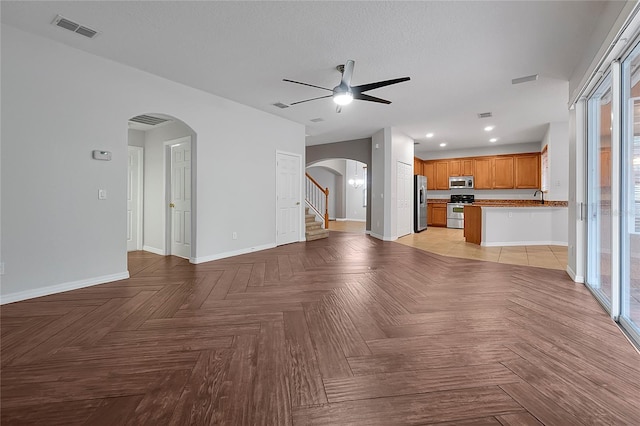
<point x="346" y="180"/>
<point x="166" y="185"/>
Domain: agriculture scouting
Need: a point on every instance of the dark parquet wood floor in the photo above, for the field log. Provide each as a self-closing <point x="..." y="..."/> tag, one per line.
<point x="346" y="330"/>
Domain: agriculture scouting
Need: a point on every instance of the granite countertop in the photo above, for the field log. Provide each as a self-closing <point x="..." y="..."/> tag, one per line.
<point x="519" y="203"/>
<point x="505" y="203"/>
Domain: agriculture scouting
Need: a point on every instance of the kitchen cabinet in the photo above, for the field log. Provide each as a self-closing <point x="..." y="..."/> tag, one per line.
<point x="429" y="214"/>
<point x="527" y="171"/>
<point x="442" y="175"/>
<point x="455" y="168"/>
<point x="503" y="168"/>
<point x="483" y="173"/>
<point x="467" y="167"/>
<point x="429" y="170"/>
<point x="439" y="214"/>
<point x="521" y="171"/>
<point x="461" y="167"/>
<point x="417" y="166"/>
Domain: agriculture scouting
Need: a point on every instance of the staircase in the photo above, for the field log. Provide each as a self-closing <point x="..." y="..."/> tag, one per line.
<point x="314" y="230"/>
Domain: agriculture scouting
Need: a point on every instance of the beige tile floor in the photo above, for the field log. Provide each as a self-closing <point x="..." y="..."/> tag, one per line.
<point x="450" y="242"/>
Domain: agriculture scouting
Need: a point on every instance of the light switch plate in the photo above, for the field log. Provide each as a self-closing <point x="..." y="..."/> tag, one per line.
<point x="102" y="194"/>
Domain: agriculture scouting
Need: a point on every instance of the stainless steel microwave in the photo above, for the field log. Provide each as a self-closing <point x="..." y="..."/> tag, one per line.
<point x="463" y="182"/>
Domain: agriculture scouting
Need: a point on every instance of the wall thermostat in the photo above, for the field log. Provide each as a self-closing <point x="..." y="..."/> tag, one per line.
<point x="101" y="155"/>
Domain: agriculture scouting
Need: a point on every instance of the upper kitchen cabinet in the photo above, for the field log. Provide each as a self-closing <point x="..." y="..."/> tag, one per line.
<point x="442" y="175"/>
<point x="461" y="167"/>
<point x="417" y="166"/>
<point x="503" y="172"/>
<point x="467" y="166"/>
<point x="516" y="171"/>
<point x="429" y="170"/>
<point x="527" y="171"/>
<point x="483" y="173"/>
<point x="455" y="168"/>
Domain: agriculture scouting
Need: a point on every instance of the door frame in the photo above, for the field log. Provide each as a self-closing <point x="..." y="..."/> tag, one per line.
<point x="301" y="230"/>
<point x="139" y="201"/>
<point x="167" y="195"/>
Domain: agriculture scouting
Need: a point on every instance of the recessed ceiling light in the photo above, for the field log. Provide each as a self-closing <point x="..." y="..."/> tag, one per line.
<point x="493" y="140"/>
<point x="443" y="144"/>
<point x="429" y="135"/>
<point x="488" y="128"/>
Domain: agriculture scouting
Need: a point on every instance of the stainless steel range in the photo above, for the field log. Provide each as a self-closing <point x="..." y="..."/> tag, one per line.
<point x="455" y="210"/>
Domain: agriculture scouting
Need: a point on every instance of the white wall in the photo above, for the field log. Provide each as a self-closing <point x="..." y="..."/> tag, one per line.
<point x="557" y="141"/>
<point x="354" y="205"/>
<point x="378" y="178"/>
<point x="518" y="148"/>
<point x="136" y="138"/>
<point x="56" y="233"/>
<point x="389" y="147"/>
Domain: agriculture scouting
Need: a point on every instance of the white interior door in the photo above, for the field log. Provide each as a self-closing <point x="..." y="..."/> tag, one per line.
<point x="288" y="198"/>
<point x="134" y="199"/>
<point x="180" y="204"/>
<point x="404" y="191"/>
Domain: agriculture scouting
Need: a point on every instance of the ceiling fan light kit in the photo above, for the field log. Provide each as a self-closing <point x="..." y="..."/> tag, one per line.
<point x="344" y="93"/>
<point x="342" y="98"/>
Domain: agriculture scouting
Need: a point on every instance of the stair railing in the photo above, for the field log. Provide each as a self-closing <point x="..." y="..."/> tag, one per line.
<point x="317" y="198"/>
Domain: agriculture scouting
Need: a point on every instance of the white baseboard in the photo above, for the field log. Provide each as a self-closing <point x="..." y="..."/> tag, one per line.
<point x="380" y="237"/>
<point x="523" y="243"/>
<point x="230" y="253"/>
<point x="354" y="220"/>
<point x="367" y="231"/>
<point x="574" y="277"/>
<point x="153" y="250"/>
<point x="340" y="219"/>
<point x="59" y="288"/>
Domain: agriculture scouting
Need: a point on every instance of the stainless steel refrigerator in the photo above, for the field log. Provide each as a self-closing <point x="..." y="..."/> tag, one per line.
<point x="420" y="202"/>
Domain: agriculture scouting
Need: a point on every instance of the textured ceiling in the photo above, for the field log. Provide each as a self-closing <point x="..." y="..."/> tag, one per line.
<point x="461" y="57"/>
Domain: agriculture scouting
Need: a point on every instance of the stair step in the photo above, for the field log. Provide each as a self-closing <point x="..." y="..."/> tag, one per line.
<point x="316" y="234"/>
<point x="314" y="225"/>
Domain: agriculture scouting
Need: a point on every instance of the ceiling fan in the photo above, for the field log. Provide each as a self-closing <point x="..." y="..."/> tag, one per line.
<point x="344" y="93"/>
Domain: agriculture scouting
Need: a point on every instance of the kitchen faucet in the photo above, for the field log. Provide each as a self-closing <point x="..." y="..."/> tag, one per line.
<point x="541" y="195"/>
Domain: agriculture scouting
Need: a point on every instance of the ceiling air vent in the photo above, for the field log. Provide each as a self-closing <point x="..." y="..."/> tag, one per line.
<point x="67" y="24"/>
<point x="147" y="119"/>
<point x="485" y="115"/>
<point x="280" y="105"/>
<point x="317" y="120"/>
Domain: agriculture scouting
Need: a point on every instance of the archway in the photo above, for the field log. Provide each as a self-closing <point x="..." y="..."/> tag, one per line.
<point x="169" y="170"/>
<point x="357" y="150"/>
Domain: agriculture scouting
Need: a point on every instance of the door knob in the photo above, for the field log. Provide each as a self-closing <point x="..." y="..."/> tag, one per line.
<point x="298" y="203"/>
<point x="172" y="205"/>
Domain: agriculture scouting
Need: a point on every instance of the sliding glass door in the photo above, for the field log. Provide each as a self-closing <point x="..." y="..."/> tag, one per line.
<point x="630" y="196"/>
<point x="599" y="265"/>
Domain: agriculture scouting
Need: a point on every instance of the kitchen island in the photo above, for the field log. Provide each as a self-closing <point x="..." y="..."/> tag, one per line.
<point x="516" y="224"/>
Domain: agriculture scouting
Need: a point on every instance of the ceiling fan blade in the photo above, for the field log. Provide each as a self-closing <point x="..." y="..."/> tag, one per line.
<point x="347" y="73"/>
<point x="312" y="99"/>
<point x="306" y="84"/>
<point x="371" y="86"/>
<point x="363" y="97"/>
<point x="338" y="108"/>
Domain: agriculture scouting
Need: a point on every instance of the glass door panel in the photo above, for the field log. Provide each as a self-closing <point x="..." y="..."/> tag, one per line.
<point x="630" y="200"/>
<point x="599" y="193"/>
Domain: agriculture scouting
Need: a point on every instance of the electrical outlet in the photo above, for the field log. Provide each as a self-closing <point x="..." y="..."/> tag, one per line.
<point x="102" y="194"/>
<point x="510" y="214"/>
<point x="234" y="235"/>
